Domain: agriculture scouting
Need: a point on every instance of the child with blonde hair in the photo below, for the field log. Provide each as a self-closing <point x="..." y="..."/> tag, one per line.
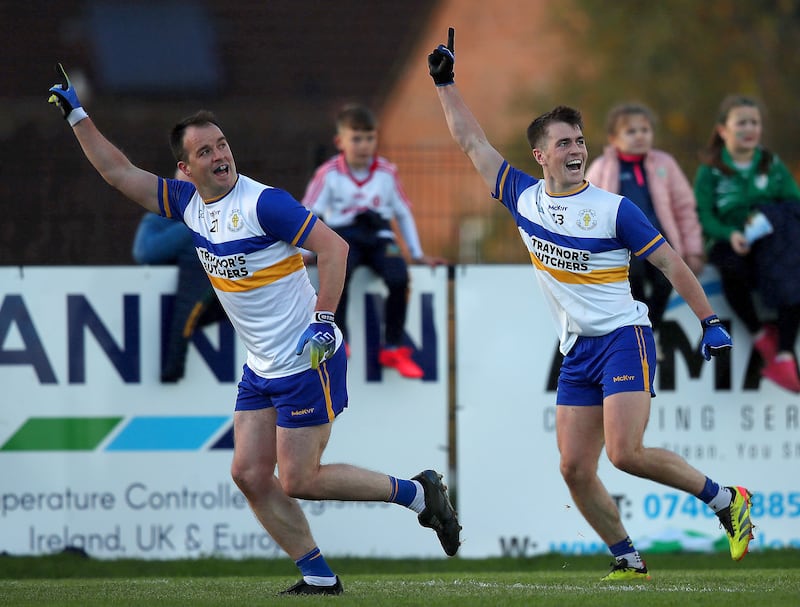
<point x="652" y="179"/>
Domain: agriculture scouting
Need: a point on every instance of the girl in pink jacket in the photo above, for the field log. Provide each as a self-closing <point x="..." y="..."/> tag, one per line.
<point x="653" y="180"/>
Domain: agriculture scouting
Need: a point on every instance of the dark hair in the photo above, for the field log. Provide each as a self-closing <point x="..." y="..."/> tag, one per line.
<point x="200" y="118"/>
<point x="623" y="110"/>
<point x="537" y="130"/>
<point x="357" y="117"/>
<point x="712" y="154"/>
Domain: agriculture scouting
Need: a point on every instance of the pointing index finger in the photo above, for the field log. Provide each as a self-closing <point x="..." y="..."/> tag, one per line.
<point x="63" y="73"/>
<point x="451" y="32"/>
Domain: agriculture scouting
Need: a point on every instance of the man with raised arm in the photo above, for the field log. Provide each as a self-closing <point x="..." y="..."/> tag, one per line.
<point x="247" y="236"/>
<point x="579" y="238"/>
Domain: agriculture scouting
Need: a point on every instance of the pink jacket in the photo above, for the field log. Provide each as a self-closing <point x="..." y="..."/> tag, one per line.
<point x="672" y="195"/>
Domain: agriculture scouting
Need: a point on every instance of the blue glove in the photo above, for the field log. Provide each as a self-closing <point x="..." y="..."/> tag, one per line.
<point x="442" y="60"/>
<point x="716" y="339"/>
<point x="64" y="97"/>
<point x="321" y="335"/>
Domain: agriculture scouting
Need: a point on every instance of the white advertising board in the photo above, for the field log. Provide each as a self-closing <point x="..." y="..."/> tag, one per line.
<point x="718" y="415"/>
<point x="96" y="453"/>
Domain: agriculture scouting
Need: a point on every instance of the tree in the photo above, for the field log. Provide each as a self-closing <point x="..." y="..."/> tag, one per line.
<point x="680" y="57"/>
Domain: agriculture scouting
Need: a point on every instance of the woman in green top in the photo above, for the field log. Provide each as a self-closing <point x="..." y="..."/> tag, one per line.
<point x="737" y="176"/>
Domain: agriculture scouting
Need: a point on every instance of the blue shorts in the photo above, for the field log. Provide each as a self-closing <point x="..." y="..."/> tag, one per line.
<point x="597" y="367"/>
<point x="311" y="398"/>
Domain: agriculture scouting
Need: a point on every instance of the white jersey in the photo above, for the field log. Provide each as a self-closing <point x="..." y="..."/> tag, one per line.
<point x="580" y="244"/>
<point x="247" y="241"/>
<point x="337" y="196"/>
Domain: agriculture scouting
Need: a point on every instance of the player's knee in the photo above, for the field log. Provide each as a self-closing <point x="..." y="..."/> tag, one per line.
<point x="626" y="460"/>
<point x="241" y="478"/>
<point x="297" y="485"/>
<point x="575" y="473"/>
<point x="250" y="480"/>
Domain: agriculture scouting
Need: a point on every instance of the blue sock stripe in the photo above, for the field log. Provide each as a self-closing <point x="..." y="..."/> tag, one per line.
<point x="314" y="564"/>
<point x="308" y="556"/>
<point x="623" y="547"/>
<point x="403" y="491"/>
<point x="709" y="491"/>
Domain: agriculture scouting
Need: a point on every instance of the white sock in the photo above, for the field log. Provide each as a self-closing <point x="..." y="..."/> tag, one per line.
<point x="418" y="503"/>
<point x="634" y="559"/>
<point x="721" y="500"/>
<point x="318" y="580"/>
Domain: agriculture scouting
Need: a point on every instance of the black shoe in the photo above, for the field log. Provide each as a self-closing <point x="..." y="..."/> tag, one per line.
<point x="439" y="514"/>
<point x="302" y="587"/>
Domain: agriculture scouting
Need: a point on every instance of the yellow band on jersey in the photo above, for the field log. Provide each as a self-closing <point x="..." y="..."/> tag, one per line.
<point x="260" y="278"/>
<point x="605" y="276"/>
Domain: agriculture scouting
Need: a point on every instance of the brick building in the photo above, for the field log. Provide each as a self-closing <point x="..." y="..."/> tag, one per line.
<point x="274" y="73"/>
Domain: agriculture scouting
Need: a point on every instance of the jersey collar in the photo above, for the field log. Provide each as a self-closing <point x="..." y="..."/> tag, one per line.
<point x="577" y="190"/>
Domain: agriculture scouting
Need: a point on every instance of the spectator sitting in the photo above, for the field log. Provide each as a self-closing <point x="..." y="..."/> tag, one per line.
<point x="162" y="241"/>
<point x="652" y="179"/>
<point x="358" y="194"/>
<point x="747" y="204"/>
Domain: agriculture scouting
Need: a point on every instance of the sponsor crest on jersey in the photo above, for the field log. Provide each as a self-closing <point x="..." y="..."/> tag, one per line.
<point x="761" y="181"/>
<point x="587" y="219"/>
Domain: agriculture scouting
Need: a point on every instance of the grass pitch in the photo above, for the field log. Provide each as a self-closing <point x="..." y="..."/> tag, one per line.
<point x="770" y="578"/>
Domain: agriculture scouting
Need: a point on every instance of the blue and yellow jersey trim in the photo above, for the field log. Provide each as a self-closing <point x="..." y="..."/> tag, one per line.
<point x="163" y="200"/>
<point x="325" y="380"/>
<point x="650" y="246"/>
<point x="576" y="190"/>
<point x="501" y="179"/>
<point x="304" y="230"/>
<point x="643" y="356"/>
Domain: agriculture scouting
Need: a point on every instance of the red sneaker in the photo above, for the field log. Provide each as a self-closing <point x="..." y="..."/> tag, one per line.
<point x="783" y="371"/>
<point x="400" y="359"/>
<point x="767" y="344"/>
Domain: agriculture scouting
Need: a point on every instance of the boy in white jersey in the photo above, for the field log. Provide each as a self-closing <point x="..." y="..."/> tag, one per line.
<point x="246" y="235"/>
<point x="358" y="194"/>
<point x="579" y="238"/>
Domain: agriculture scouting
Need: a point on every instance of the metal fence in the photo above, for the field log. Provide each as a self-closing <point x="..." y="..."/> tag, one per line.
<point x="455" y="213"/>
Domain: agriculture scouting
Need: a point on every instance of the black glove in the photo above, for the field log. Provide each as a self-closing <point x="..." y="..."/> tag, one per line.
<point x="442" y="60"/>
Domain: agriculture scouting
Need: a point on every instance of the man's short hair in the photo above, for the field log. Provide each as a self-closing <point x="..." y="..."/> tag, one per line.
<point x="199" y="118"/>
<point x="537" y="130"/>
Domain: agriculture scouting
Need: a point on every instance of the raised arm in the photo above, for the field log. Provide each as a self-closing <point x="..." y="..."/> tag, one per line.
<point x="135" y="183"/>
<point x="464" y="128"/>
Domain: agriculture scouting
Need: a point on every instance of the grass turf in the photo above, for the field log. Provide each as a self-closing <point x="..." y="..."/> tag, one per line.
<point x="764" y="578"/>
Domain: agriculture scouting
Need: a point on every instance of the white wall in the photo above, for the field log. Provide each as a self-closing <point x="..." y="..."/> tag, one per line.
<point x="512" y="499"/>
<point x="151" y="485"/>
<point x="154" y="486"/>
